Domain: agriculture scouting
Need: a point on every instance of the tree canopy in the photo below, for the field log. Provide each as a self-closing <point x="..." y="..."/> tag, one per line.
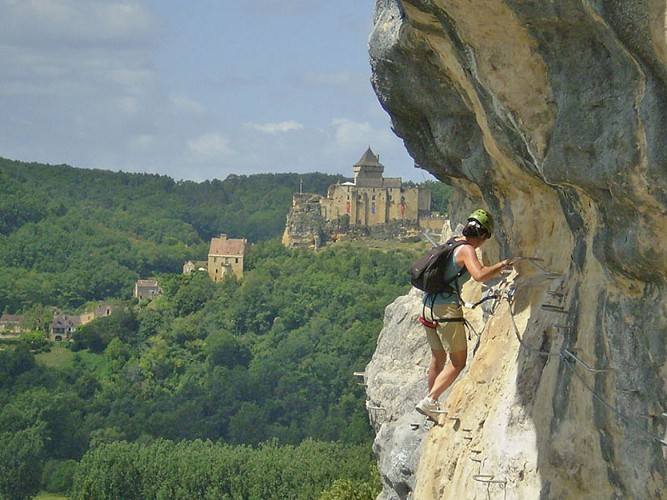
<point x="246" y="377"/>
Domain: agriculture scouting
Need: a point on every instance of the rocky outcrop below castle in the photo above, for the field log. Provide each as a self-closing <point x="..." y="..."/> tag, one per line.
<point x="552" y="116"/>
<point x="307" y="228"/>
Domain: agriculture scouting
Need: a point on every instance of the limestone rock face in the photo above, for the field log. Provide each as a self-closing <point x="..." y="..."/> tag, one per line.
<point x="551" y="115"/>
<point x="396" y="373"/>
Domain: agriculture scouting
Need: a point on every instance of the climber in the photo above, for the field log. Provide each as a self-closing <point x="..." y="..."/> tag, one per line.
<point x="443" y="322"/>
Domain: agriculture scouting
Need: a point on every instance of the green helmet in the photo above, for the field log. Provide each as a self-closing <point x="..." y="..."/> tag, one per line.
<point x="484" y="218"/>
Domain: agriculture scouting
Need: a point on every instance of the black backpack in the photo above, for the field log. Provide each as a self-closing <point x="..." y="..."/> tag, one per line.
<point x="428" y="272"/>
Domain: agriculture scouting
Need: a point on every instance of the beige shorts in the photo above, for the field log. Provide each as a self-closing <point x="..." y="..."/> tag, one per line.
<point x="449" y="336"/>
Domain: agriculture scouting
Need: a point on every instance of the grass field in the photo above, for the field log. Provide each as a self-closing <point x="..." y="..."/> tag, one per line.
<point x="62" y="357"/>
<point x="49" y="496"/>
<point x="59" y="357"/>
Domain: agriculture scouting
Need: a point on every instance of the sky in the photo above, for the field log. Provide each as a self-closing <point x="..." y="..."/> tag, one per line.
<point x="193" y="89"/>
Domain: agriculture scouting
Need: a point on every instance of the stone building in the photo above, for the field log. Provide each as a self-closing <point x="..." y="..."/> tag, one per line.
<point x="10" y="323"/>
<point x="371" y="199"/>
<point x="63" y="326"/>
<point x="146" y="289"/>
<point x="368" y="206"/>
<point x="190" y="267"/>
<point x="226" y="256"/>
<point x="102" y="310"/>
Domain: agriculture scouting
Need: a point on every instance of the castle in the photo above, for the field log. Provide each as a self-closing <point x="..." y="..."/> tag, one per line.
<point x="372" y="199"/>
<point x="370" y="204"/>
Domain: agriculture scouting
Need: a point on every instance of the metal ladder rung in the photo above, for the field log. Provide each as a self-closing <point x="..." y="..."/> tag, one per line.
<point x="488" y="478"/>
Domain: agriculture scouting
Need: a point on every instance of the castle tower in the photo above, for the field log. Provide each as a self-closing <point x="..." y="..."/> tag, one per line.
<point x="368" y="170"/>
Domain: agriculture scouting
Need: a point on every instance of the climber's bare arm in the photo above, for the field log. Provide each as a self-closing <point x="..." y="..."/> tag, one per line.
<point x="479" y="272"/>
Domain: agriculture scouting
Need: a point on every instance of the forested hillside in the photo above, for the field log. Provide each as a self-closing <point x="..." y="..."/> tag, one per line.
<point x="252" y="374"/>
<point x="71" y="235"/>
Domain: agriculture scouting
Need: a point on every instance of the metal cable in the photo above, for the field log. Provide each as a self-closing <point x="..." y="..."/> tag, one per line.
<point x="571" y="360"/>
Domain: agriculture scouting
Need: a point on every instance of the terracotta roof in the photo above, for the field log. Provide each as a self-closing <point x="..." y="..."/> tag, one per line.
<point x="10" y="318"/>
<point x="147" y="283"/>
<point x="224" y="246"/>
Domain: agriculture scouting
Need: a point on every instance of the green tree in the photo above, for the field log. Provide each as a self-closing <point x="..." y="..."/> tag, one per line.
<point x="21" y="455"/>
<point x="97" y="334"/>
<point x="58" y="475"/>
<point x="224" y="349"/>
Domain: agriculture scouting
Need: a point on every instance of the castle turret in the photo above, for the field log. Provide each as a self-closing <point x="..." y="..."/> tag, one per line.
<point x="368" y="170"/>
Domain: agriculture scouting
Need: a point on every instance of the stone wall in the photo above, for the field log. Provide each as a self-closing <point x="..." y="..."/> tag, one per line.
<point x="306" y="226"/>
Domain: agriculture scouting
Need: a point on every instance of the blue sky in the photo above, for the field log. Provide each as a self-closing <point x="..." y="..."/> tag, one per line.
<point x="195" y="89"/>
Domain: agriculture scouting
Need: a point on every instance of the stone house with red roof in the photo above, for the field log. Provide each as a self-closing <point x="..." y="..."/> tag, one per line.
<point x="225" y="256"/>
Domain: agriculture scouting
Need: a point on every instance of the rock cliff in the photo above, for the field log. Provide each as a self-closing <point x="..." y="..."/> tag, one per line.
<point x="552" y="115"/>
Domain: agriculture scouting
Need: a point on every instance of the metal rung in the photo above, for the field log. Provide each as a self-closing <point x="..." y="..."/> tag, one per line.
<point x="414" y="427"/>
<point x="559" y="309"/>
<point x="371" y="407"/>
<point x="590" y="369"/>
<point x="487" y="478"/>
<point x="651" y="415"/>
<point x="359" y="374"/>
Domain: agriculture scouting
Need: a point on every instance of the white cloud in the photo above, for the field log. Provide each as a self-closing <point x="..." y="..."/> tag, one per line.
<point x="72" y="22"/>
<point x="183" y="104"/>
<point x="350" y="133"/>
<point x="275" y="128"/>
<point x="349" y="139"/>
<point x="143" y="142"/>
<point x="81" y="83"/>
<point x="132" y="78"/>
<point x="76" y="48"/>
<point x="213" y="146"/>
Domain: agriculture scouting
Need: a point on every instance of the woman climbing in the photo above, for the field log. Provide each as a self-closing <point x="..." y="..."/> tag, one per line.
<point x="443" y="319"/>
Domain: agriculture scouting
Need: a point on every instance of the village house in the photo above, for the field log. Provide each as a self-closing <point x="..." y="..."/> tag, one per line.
<point x="100" y="311"/>
<point x="10" y="323"/>
<point x="146" y="289"/>
<point x="191" y="266"/>
<point x="225" y="256"/>
<point x="63" y="326"/>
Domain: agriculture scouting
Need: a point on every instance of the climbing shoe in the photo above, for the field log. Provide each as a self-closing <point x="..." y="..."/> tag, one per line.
<point x="429" y="407"/>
